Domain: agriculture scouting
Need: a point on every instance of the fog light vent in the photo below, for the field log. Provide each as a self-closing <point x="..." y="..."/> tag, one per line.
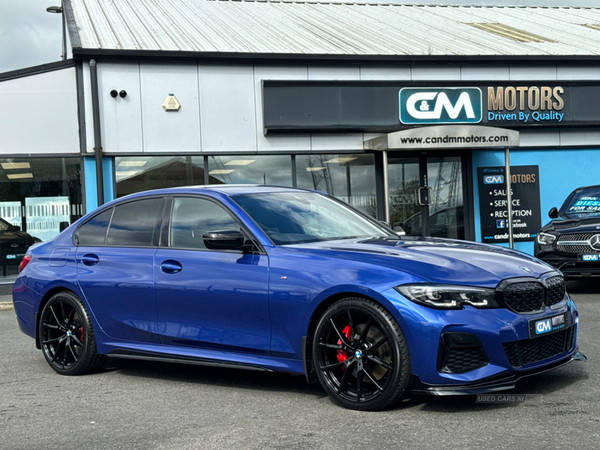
<point x="460" y="353"/>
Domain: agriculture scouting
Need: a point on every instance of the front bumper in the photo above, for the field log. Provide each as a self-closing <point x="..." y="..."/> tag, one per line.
<point x="497" y="351"/>
<point x="496" y="383"/>
<point x="570" y="264"/>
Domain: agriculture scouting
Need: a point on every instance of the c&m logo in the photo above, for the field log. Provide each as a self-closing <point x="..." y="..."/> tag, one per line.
<point x="493" y="179"/>
<point x="440" y="105"/>
<point x="590" y="258"/>
<point x="543" y="326"/>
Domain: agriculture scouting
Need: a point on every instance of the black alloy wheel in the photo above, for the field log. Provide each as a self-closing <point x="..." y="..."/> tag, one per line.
<point x="360" y="355"/>
<point x="67" y="336"/>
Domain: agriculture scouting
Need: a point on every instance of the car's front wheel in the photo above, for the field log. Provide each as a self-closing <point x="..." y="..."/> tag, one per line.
<point x="360" y="355"/>
<point x="67" y="337"/>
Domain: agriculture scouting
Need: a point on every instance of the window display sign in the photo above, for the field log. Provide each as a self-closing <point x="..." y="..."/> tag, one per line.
<point x="44" y="215"/>
<point x="11" y="212"/>
<point x="526" y="220"/>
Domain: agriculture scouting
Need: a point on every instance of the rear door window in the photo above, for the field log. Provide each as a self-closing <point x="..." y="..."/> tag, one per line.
<point x="93" y="232"/>
<point x="134" y="223"/>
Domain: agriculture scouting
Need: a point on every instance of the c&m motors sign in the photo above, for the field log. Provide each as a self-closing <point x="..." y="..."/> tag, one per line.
<point x="296" y="106"/>
<point x="440" y="105"/>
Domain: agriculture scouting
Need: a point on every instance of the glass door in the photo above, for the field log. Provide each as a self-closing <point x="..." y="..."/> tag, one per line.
<point x="427" y="186"/>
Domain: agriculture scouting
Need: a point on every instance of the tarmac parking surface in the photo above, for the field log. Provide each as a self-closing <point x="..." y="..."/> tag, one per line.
<point x="143" y="405"/>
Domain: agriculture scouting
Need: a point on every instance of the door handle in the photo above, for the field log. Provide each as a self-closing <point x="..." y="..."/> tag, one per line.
<point x="90" y="259"/>
<point x="424" y="196"/>
<point x="171" y="266"/>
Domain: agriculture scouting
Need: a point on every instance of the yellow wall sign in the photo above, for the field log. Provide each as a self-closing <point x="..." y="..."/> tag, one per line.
<point x="171" y="103"/>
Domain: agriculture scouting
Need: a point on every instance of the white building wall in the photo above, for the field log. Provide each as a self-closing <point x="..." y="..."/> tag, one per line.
<point x="180" y="130"/>
<point x="38" y="114"/>
<point x="221" y="105"/>
<point x="228" y="108"/>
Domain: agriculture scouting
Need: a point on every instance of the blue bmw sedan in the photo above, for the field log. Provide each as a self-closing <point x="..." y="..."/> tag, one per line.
<point x="282" y="279"/>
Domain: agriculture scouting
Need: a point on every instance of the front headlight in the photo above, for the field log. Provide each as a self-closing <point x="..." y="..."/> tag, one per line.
<point x="545" y="238"/>
<point x="448" y="296"/>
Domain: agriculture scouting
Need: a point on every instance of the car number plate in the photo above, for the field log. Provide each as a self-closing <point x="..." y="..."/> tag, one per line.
<point x="547" y="325"/>
<point x="590" y="257"/>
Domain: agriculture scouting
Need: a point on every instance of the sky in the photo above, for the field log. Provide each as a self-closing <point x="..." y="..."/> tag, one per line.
<point x="30" y="36"/>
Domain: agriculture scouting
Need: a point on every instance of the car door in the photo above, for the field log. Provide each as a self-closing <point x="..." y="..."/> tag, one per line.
<point x="207" y="298"/>
<point x="115" y="268"/>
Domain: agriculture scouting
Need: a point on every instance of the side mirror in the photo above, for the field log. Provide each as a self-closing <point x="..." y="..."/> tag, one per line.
<point x="553" y="213"/>
<point x="223" y="240"/>
<point x="63" y="226"/>
<point x="385" y="224"/>
<point x="13" y="228"/>
<point x="398" y="228"/>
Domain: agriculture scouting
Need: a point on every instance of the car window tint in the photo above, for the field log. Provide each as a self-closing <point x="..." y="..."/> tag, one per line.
<point x="585" y="204"/>
<point x="297" y="217"/>
<point x="93" y="232"/>
<point x="192" y="217"/>
<point x="133" y="223"/>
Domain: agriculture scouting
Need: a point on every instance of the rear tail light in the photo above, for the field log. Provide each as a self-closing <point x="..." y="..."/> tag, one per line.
<point x="24" y="262"/>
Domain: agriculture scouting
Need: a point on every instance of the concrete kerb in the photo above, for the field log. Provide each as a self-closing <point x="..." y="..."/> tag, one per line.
<point x="6" y="303"/>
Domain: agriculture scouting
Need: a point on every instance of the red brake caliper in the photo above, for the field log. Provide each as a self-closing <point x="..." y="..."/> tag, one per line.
<point x="342" y="355"/>
<point x="81" y="331"/>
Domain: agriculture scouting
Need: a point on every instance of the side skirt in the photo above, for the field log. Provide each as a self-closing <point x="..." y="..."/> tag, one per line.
<point x="147" y="356"/>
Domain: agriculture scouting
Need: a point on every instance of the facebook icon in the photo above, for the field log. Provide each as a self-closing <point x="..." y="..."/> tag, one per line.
<point x="500" y="223"/>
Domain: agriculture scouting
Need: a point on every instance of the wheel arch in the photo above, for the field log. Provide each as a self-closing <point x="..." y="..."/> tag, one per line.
<point x="318" y="311"/>
<point x="47" y="296"/>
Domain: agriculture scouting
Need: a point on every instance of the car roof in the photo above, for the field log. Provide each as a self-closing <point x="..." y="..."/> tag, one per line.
<point x="224" y="189"/>
<point x="585" y="188"/>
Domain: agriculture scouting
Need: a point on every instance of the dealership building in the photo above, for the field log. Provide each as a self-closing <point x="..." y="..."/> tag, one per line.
<point x="403" y="111"/>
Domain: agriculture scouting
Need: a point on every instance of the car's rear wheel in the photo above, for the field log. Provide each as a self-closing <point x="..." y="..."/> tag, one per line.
<point x="360" y="355"/>
<point x="67" y="336"/>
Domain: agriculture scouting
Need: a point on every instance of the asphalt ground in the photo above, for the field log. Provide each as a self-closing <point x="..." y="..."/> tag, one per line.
<point x="143" y="405"/>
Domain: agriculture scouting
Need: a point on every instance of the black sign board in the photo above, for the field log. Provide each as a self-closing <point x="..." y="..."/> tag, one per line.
<point x="525" y="203"/>
<point x="384" y="106"/>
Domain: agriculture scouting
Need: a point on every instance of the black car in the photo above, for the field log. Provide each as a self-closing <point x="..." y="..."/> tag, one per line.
<point x="571" y="241"/>
<point x="13" y="246"/>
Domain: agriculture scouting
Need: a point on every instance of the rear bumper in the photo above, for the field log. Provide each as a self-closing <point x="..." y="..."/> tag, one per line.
<point x="496" y="383"/>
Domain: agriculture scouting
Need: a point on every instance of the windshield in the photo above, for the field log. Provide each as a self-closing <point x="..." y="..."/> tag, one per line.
<point x="584" y="204"/>
<point x="298" y="217"/>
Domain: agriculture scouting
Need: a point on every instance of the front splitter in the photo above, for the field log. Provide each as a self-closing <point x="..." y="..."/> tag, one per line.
<point x="496" y="383"/>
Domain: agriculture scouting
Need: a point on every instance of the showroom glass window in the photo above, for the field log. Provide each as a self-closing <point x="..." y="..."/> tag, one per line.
<point x="274" y="170"/>
<point x="349" y="177"/>
<point x="136" y="174"/>
<point x="37" y="194"/>
<point x="193" y="217"/>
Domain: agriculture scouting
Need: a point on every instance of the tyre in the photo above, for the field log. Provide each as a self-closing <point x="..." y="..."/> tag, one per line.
<point x="360" y="355"/>
<point x="67" y="337"/>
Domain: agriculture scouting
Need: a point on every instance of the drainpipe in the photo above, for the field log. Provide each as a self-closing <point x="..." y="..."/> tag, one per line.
<point x="97" y="134"/>
<point x="508" y="197"/>
<point x="386" y="194"/>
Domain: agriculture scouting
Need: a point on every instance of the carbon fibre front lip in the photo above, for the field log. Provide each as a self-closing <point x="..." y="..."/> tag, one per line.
<point x="493" y="384"/>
